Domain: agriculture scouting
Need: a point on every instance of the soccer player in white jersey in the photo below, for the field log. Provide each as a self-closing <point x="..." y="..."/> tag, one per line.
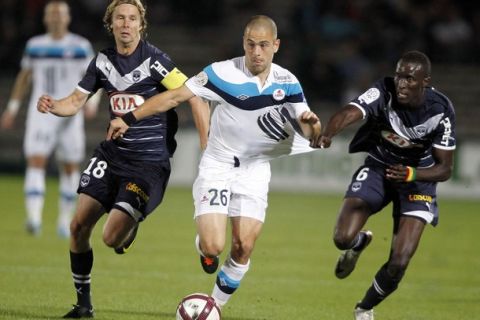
<point x="54" y="63"/>
<point x="260" y="114"/>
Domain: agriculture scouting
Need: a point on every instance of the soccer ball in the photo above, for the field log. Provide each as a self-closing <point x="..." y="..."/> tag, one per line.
<point x="198" y="306"/>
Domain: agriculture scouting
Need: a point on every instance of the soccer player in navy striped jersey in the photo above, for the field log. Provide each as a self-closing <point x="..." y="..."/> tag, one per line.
<point x="260" y="114"/>
<point x="126" y="177"/>
<point x="409" y="136"/>
<point x="55" y="62"/>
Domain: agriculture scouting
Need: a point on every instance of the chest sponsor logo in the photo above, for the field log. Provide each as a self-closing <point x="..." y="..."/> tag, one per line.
<point x="396" y="140"/>
<point x="278" y="94"/>
<point x="122" y="103"/>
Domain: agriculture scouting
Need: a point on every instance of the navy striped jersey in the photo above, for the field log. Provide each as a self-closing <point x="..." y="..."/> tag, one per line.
<point x="395" y="134"/>
<point x="251" y="121"/>
<point x="129" y="81"/>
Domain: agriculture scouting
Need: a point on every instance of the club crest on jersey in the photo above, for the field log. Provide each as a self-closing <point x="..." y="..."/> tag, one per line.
<point x="356" y="186"/>
<point x="84" y="180"/>
<point x="420" y="130"/>
<point x="278" y="94"/>
<point x="201" y="79"/>
<point x="122" y="103"/>
<point x="136" y="75"/>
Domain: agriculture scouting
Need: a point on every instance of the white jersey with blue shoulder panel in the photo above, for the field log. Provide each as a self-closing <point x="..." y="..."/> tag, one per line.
<point x="249" y="121"/>
<point x="57" y="64"/>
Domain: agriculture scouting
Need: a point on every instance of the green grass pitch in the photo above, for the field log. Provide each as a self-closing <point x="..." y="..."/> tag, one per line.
<point x="291" y="275"/>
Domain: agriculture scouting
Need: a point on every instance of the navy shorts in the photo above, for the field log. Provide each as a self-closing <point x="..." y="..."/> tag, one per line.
<point x="416" y="198"/>
<point x="136" y="188"/>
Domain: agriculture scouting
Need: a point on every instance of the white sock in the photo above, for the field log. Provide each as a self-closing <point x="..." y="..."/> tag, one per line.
<point x="229" y="277"/>
<point x="68" y="198"/>
<point x="34" y="189"/>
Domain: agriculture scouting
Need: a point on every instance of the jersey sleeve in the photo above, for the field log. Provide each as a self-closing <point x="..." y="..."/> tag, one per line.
<point x="295" y="98"/>
<point x="445" y="132"/>
<point x="372" y="100"/>
<point x="89" y="82"/>
<point x="164" y="70"/>
<point x="197" y="84"/>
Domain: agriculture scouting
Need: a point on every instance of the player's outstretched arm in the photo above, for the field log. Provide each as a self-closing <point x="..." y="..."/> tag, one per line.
<point x="201" y="117"/>
<point x="339" y="121"/>
<point x="158" y="103"/>
<point x="65" y="107"/>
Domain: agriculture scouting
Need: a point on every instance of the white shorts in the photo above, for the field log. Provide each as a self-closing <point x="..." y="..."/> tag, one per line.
<point x="46" y="132"/>
<point x="235" y="191"/>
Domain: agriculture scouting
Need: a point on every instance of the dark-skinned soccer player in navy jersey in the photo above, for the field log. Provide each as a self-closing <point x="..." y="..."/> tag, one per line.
<point x="126" y="177"/>
<point x="409" y="136"/>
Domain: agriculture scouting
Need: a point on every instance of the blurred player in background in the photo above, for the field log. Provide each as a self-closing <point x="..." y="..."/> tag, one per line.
<point x="409" y="136"/>
<point x="53" y="63"/>
<point x="126" y="177"/>
<point x="260" y="114"/>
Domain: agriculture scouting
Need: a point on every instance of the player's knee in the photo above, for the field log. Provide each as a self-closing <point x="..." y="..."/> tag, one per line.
<point x="111" y="240"/>
<point x="342" y="240"/>
<point x="78" y="231"/>
<point x="211" y="248"/>
<point x="242" y="249"/>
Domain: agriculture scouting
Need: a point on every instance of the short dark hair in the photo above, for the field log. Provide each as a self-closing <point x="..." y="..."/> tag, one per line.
<point x="420" y="58"/>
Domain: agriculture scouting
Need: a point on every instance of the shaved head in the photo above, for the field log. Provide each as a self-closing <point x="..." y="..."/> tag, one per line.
<point x="262" y="22"/>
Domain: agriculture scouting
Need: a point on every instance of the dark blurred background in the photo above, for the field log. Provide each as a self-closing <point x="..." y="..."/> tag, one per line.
<point x="335" y="48"/>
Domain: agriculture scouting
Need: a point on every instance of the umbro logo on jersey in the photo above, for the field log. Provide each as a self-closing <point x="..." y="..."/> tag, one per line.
<point x="243" y="97"/>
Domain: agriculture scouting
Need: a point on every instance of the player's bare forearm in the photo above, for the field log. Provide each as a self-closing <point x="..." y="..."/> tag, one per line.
<point x="162" y="102"/>
<point x="441" y="171"/>
<point x="342" y="119"/>
<point x="65" y="107"/>
<point x="201" y="117"/>
<point x="339" y="121"/>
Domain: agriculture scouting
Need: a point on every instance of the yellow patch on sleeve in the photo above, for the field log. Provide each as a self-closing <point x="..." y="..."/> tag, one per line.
<point x="174" y="79"/>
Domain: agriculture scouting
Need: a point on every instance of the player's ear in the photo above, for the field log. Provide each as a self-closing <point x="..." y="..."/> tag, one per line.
<point x="276" y="45"/>
<point x="426" y="81"/>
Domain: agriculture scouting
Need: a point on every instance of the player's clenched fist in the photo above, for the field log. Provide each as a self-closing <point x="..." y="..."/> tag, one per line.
<point x="45" y="104"/>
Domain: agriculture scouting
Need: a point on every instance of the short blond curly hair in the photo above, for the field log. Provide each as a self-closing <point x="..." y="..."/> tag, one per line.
<point x="107" y="18"/>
